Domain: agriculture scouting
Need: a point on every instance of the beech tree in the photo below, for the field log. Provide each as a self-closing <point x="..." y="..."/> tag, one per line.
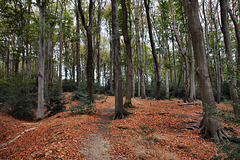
<point x="88" y="28"/>
<point x="42" y="49"/>
<point x="155" y="58"/>
<point x="120" y="111"/>
<point x="228" y="51"/>
<point x="210" y="125"/>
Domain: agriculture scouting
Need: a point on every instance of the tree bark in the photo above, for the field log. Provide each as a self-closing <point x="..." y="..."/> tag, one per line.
<point x="88" y="28"/>
<point x="120" y="112"/>
<point x="157" y="68"/>
<point x="228" y="51"/>
<point x="210" y="125"/>
<point x="42" y="7"/>
<point x="127" y="41"/>
<point x="78" y="52"/>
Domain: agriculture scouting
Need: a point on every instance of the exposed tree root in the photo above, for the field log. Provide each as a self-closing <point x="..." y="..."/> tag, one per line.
<point x="121" y="115"/>
<point x="210" y="127"/>
<point x="189" y="103"/>
<point x="129" y="105"/>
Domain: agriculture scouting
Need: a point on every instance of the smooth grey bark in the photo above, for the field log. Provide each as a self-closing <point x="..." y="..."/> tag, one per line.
<point x="61" y="46"/>
<point x="210" y="125"/>
<point x="230" y="64"/>
<point x="120" y="111"/>
<point x="42" y="8"/>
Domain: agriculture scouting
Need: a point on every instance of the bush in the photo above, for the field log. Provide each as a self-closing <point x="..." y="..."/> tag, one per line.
<point x="55" y="102"/>
<point x="69" y="85"/>
<point x="21" y="98"/>
<point x="83" y="109"/>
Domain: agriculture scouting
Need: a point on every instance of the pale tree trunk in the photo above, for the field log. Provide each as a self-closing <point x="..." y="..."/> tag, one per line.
<point x="237" y="32"/>
<point x="78" y="52"/>
<point x="157" y="67"/>
<point x="120" y="112"/>
<point x="228" y="51"/>
<point x="127" y="41"/>
<point x="28" y="59"/>
<point x="210" y="125"/>
<point x="98" y="41"/>
<point x="61" y="46"/>
<point x="174" y="59"/>
<point x="141" y="80"/>
<point x="192" y="96"/>
<point x="73" y="61"/>
<point x="42" y="7"/>
<point x="88" y="28"/>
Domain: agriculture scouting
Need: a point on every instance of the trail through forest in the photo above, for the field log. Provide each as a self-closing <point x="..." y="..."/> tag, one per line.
<point x="164" y="129"/>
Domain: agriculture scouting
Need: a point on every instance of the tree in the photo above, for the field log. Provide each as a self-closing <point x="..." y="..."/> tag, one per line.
<point x="120" y="112"/>
<point x="127" y="41"/>
<point x="228" y="51"/>
<point x="157" y="68"/>
<point x="42" y="8"/>
<point x="88" y="28"/>
<point x="210" y="125"/>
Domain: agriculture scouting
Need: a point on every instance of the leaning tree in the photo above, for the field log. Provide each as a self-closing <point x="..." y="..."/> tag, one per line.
<point x="210" y="125"/>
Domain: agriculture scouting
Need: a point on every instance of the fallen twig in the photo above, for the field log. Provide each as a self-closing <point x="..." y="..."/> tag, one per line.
<point x="4" y="144"/>
<point x="193" y="103"/>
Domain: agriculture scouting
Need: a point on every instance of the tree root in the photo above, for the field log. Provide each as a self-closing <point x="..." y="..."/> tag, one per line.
<point x="121" y="115"/>
<point x="210" y="127"/>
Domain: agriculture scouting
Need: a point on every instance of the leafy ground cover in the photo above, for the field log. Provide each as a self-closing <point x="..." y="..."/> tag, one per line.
<point x="162" y="129"/>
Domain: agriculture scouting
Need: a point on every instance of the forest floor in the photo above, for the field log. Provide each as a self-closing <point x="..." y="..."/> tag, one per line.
<point x="162" y="129"/>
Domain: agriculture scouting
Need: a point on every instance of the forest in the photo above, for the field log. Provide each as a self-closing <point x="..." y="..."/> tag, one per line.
<point x="119" y="79"/>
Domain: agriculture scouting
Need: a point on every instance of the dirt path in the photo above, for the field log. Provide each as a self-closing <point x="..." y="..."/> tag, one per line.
<point x="98" y="146"/>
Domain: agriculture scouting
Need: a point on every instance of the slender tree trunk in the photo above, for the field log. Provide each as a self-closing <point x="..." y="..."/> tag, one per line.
<point x="192" y="96"/>
<point x="120" y="112"/>
<point x="157" y="68"/>
<point x="42" y="7"/>
<point x="237" y="32"/>
<point x="111" y="61"/>
<point x="210" y="125"/>
<point x="78" y="52"/>
<point x="61" y="46"/>
<point x="73" y="61"/>
<point x="228" y="51"/>
<point x="127" y="41"/>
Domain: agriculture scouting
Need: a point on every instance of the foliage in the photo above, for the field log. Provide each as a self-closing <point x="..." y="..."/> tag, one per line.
<point x="20" y="97"/>
<point x="83" y="109"/>
<point x="69" y="86"/>
<point x="231" y="150"/>
<point x="55" y="102"/>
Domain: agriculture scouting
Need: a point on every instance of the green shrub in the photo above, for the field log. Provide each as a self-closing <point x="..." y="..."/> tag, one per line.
<point x="21" y="98"/>
<point x="83" y="109"/>
<point x="69" y="86"/>
<point x="55" y="102"/>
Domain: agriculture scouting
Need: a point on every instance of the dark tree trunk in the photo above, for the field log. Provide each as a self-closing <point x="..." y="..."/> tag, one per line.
<point x="127" y="41"/>
<point x="88" y="28"/>
<point x="78" y="52"/>
<point x="210" y="125"/>
<point x="157" y="68"/>
<point x="120" y="112"/>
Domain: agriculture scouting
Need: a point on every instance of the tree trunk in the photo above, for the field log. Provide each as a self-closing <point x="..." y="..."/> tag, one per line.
<point x="61" y="47"/>
<point x="192" y="96"/>
<point x="127" y="41"/>
<point x="210" y="125"/>
<point x="228" y="51"/>
<point x="78" y="52"/>
<point x="88" y="28"/>
<point x="42" y="7"/>
<point x="111" y="61"/>
<point x="120" y="112"/>
<point x="183" y="55"/>
<point x="237" y="32"/>
<point x="157" y="68"/>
